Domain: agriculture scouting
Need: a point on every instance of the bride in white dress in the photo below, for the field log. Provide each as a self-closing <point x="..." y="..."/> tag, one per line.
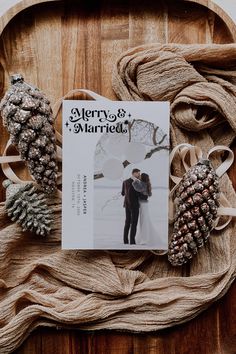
<point x="146" y="233"/>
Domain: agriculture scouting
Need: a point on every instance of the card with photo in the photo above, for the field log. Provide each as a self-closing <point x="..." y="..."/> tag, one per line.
<point x="115" y="175"/>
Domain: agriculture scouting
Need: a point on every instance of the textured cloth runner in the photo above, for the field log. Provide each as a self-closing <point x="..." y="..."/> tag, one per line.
<point x="136" y="290"/>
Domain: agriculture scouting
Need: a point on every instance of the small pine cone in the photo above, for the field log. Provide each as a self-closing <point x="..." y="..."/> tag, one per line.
<point x="197" y="201"/>
<point x="26" y="205"/>
<point x="27" y="114"/>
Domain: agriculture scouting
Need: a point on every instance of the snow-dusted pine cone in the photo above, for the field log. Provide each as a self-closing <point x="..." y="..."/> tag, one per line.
<point x="27" y="114"/>
<point x="197" y="201"/>
<point x="26" y="205"/>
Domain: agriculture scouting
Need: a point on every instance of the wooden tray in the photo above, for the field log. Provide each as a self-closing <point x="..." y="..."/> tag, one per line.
<point x="61" y="45"/>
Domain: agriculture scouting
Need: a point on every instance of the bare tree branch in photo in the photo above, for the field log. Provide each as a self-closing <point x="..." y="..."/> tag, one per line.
<point x="130" y="124"/>
<point x="139" y="131"/>
<point x="126" y="163"/>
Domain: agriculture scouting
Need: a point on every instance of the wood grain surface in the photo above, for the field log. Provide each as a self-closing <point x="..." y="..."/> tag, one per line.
<point x="212" y="332"/>
<point x="61" y="45"/>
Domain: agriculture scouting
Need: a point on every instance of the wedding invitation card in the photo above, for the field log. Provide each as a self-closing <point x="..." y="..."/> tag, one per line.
<point x="115" y="175"/>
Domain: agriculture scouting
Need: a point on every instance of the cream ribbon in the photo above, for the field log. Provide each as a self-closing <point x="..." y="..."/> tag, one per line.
<point x="195" y="154"/>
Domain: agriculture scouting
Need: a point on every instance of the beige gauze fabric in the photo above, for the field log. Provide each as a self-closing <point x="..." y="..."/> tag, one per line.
<point x="132" y="290"/>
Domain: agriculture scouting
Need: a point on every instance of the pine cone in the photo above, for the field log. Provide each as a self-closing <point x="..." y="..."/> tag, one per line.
<point x="27" y="206"/>
<point x="196" y="204"/>
<point x="27" y="114"/>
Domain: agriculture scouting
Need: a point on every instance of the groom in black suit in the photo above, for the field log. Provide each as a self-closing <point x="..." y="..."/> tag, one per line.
<point x="131" y="204"/>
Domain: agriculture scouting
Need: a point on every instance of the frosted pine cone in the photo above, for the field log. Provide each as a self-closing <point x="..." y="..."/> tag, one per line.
<point x="196" y="212"/>
<point x="27" y="206"/>
<point x="27" y="114"/>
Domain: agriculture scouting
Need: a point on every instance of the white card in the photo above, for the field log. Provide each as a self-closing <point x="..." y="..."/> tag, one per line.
<point x="115" y="175"/>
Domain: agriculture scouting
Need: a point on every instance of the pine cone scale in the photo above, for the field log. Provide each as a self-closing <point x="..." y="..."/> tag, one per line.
<point x="27" y="114"/>
<point x="197" y="201"/>
<point x="26" y="205"/>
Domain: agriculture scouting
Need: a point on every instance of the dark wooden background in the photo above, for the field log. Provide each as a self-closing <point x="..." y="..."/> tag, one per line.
<point x="105" y="30"/>
<point x="212" y="332"/>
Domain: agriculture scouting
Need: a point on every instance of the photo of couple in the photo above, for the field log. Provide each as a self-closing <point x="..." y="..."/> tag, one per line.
<point x="136" y="191"/>
<point x="131" y="213"/>
<point x="131" y="182"/>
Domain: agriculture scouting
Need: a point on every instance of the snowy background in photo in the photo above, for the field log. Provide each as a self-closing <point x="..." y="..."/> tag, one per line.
<point x="109" y="213"/>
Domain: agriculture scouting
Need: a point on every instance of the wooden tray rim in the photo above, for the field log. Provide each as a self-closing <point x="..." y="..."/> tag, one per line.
<point x="24" y="4"/>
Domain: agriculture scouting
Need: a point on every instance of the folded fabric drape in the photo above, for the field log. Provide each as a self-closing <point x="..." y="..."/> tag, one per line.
<point x="199" y="80"/>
